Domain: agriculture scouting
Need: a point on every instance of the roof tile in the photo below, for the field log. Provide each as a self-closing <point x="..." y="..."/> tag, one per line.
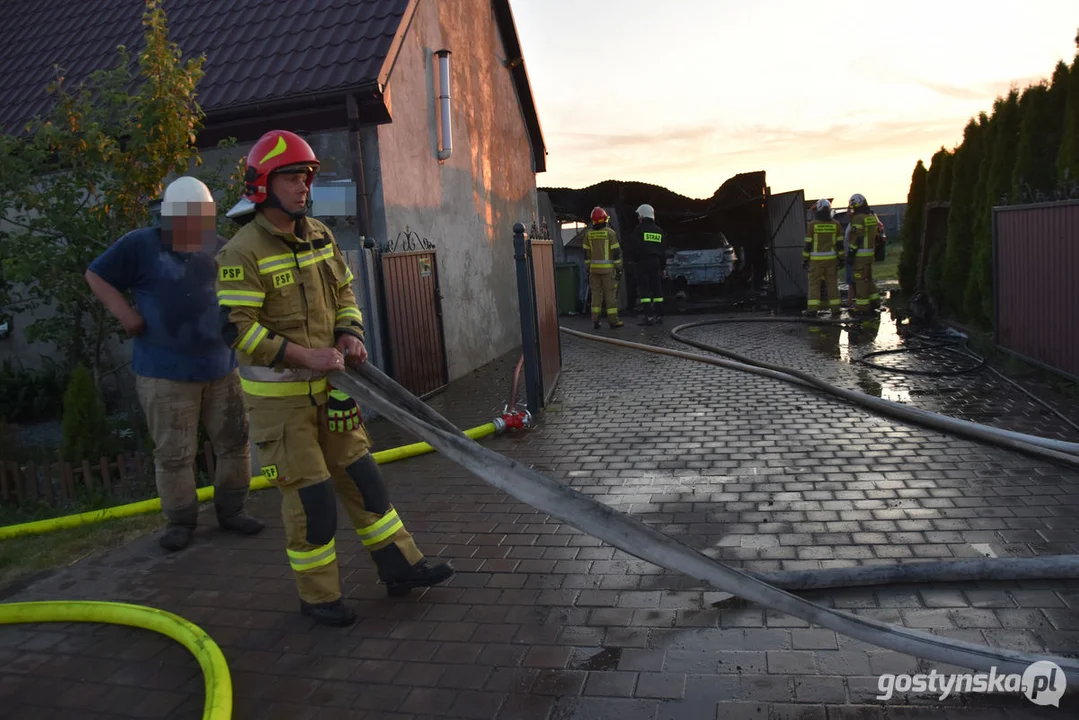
<point x="256" y="50"/>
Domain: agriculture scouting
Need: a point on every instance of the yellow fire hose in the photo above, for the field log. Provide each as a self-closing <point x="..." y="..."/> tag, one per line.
<point x="215" y="670"/>
<point x="259" y="482"/>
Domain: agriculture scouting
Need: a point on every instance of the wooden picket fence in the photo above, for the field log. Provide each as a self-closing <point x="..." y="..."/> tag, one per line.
<point x="125" y="476"/>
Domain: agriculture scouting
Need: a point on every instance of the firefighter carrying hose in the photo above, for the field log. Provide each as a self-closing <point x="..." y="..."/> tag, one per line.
<point x="821" y="255"/>
<point x="861" y="248"/>
<point x="603" y="258"/>
<point x="288" y="309"/>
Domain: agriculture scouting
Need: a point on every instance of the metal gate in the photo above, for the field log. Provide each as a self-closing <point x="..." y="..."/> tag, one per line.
<point x="787" y="232"/>
<point x="550" y="341"/>
<point x="413" y="315"/>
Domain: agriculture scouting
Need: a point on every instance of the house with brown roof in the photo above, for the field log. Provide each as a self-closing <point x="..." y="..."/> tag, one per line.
<point x="420" y="111"/>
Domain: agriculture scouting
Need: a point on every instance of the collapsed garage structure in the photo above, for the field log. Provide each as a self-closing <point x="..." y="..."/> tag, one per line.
<point x="764" y="231"/>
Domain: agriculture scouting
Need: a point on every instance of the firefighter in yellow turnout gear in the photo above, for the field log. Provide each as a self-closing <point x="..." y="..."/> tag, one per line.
<point x="821" y="259"/>
<point x="603" y="258"/>
<point x="288" y="309"/>
<point x="862" y="244"/>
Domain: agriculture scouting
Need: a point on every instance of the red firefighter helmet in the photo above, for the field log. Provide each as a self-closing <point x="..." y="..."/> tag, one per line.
<point x="599" y="215"/>
<point x="277" y="151"/>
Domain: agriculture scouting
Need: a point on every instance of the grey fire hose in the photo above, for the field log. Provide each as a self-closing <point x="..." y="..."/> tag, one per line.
<point x="371" y="387"/>
<point x="1058" y="451"/>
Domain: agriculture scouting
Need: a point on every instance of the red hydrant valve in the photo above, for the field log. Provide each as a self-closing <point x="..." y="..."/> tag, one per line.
<point x="516" y="420"/>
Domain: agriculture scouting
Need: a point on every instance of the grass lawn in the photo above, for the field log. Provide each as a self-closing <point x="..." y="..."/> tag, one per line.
<point x="22" y="557"/>
<point x="888" y="269"/>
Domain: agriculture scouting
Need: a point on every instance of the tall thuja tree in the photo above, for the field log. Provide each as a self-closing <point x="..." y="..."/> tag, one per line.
<point x="1040" y="129"/>
<point x="938" y="189"/>
<point x="1068" y="155"/>
<point x="82" y="176"/>
<point x="939" y="182"/>
<point x="912" y="228"/>
<point x="981" y="225"/>
<point x="1001" y="151"/>
<point x="957" y="254"/>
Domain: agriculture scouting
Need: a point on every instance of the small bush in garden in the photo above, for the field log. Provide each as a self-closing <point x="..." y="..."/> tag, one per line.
<point x="84" y="422"/>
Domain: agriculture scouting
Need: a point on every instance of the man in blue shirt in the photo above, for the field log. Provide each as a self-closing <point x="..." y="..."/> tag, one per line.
<point x="184" y="371"/>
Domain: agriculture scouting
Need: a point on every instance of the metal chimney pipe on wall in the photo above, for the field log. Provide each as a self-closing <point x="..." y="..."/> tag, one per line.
<point x="446" y="148"/>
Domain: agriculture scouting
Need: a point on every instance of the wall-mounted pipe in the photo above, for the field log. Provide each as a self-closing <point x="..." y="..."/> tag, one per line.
<point x="446" y="147"/>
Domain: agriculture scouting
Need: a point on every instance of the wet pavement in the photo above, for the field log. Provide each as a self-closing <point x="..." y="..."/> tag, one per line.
<point x="543" y="621"/>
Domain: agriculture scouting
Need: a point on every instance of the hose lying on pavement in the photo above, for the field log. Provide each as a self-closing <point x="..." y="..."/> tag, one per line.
<point x="1058" y="451"/>
<point x="215" y="671"/>
<point x="628" y="534"/>
<point x="259" y="482"/>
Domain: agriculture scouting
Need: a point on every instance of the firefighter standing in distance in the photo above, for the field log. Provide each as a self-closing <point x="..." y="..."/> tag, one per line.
<point x="821" y="258"/>
<point x="288" y="308"/>
<point x="603" y="258"/>
<point x="862" y="231"/>
<point x="646" y="244"/>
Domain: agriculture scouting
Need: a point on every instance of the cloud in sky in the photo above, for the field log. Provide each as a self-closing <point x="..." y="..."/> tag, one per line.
<point x="689" y="92"/>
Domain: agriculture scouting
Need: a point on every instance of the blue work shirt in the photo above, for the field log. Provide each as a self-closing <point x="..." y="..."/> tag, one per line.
<point x="175" y="294"/>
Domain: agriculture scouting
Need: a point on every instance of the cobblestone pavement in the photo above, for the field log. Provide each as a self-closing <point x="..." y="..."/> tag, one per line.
<point x="543" y="621"/>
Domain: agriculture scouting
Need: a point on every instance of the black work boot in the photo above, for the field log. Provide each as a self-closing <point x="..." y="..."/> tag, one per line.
<point x="400" y="577"/>
<point x="231" y="515"/>
<point x="419" y="575"/>
<point x="646" y="320"/>
<point x="334" y="614"/>
<point x="181" y="528"/>
<point x="595" y="324"/>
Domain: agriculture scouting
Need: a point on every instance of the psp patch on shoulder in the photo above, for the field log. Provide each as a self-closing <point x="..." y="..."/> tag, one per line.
<point x="231" y="272"/>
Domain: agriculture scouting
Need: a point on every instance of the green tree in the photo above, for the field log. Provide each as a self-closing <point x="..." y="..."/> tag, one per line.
<point x="957" y="254"/>
<point x="82" y="176"/>
<point x="1068" y="155"/>
<point x="1041" y="127"/>
<point x="912" y="228"/>
<point x="939" y="182"/>
<point x="981" y="226"/>
<point x="939" y="188"/>
<point x="1002" y="144"/>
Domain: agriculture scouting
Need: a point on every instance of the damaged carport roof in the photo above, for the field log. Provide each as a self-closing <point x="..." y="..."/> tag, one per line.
<point x="626" y="196"/>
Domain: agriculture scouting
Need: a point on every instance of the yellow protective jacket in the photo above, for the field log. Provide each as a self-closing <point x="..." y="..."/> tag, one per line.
<point x="276" y="287"/>
<point x="602" y="252"/>
<point x="822" y="240"/>
<point x="863" y="234"/>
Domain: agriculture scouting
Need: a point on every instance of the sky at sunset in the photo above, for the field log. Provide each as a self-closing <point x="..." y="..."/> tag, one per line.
<point x="686" y="93"/>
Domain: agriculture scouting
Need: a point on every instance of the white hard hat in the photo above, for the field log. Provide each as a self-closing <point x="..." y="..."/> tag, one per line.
<point x="857" y="200"/>
<point x="244" y="207"/>
<point x="180" y="192"/>
<point x="646" y="211"/>
<point x="823" y="204"/>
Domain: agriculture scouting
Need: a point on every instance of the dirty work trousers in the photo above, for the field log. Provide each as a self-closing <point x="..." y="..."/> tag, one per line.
<point x="604" y="292"/>
<point x="651" y="277"/>
<point x="313" y="467"/>
<point x="173" y="410"/>
<point x="865" y="290"/>
<point x="823" y="271"/>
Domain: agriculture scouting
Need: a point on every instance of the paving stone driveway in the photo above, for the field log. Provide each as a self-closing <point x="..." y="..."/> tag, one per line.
<point x="543" y="621"/>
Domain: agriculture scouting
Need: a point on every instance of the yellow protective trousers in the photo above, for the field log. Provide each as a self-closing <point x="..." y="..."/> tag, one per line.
<point x="306" y="461"/>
